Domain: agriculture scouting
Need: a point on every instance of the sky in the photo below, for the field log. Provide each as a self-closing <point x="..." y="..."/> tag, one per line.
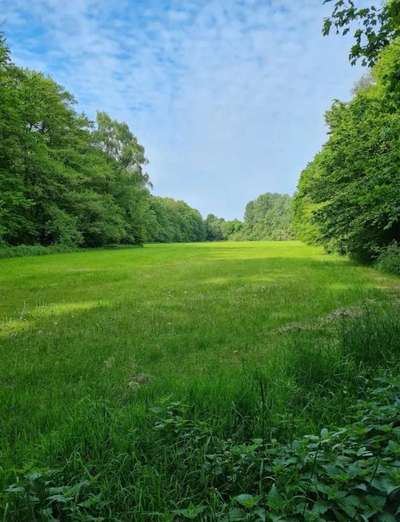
<point x="227" y="96"/>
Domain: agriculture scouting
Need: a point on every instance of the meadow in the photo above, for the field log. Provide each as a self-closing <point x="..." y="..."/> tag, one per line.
<point x="255" y="340"/>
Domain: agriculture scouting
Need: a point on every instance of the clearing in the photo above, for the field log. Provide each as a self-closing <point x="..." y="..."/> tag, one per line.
<point x="126" y="327"/>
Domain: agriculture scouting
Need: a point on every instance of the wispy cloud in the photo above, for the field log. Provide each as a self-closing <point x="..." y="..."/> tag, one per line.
<point x="227" y="96"/>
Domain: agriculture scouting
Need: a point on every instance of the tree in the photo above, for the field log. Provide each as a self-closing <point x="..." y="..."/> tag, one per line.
<point x="220" y="229"/>
<point x="269" y="217"/>
<point x="375" y="27"/>
<point x="64" y="179"/>
<point x="129" y="185"/>
<point x="353" y="188"/>
<point x="214" y="228"/>
<point x="303" y="205"/>
<point x="171" y="221"/>
<point x="13" y="201"/>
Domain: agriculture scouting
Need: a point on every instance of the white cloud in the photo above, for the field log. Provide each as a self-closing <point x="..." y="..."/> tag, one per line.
<point x="227" y="96"/>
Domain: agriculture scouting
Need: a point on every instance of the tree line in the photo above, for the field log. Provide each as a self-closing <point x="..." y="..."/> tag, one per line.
<point x="70" y="181"/>
<point x="63" y="178"/>
<point x="67" y="180"/>
<point x="348" y="197"/>
<point x="268" y="217"/>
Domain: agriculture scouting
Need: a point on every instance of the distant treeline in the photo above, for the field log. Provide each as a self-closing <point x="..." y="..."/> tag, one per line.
<point x="269" y="217"/>
<point x="171" y="221"/>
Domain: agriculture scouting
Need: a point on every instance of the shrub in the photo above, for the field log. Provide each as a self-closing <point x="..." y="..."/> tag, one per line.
<point x="389" y="260"/>
<point x="32" y="250"/>
<point x="7" y="252"/>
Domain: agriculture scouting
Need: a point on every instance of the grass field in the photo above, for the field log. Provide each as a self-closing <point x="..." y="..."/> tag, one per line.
<point x="90" y="341"/>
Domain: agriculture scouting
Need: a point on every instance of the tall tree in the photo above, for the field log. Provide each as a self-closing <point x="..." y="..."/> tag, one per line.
<point x="354" y="192"/>
<point x="169" y="220"/>
<point x="62" y="178"/>
<point x="269" y="217"/>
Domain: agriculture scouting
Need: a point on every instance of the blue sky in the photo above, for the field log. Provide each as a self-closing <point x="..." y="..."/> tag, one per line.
<point x="227" y="96"/>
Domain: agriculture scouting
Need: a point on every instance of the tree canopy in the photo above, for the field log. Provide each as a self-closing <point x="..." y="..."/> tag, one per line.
<point x="63" y="178"/>
<point x="269" y="217"/>
<point x="170" y="221"/>
<point x="348" y="198"/>
<point x="218" y="229"/>
<point x="67" y="180"/>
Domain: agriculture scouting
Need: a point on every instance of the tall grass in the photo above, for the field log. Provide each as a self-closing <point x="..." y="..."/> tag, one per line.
<point x="145" y="462"/>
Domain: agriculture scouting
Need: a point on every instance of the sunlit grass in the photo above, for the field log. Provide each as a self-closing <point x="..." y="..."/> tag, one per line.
<point x="196" y="319"/>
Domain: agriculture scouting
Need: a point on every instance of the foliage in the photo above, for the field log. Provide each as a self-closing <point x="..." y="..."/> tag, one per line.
<point x="376" y="27"/>
<point x="64" y="180"/>
<point x="305" y="228"/>
<point x="346" y="473"/>
<point x="269" y="217"/>
<point x="218" y="229"/>
<point x="350" y="472"/>
<point x="171" y="221"/>
<point x="349" y="196"/>
<point x="389" y="259"/>
<point x="38" y="495"/>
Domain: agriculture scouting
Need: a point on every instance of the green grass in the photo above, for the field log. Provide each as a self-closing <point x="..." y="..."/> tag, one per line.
<point x="257" y="338"/>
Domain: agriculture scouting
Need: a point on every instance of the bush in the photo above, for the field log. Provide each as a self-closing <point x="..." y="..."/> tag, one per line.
<point x="7" y="252"/>
<point x="33" y="250"/>
<point x="389" y="260"/>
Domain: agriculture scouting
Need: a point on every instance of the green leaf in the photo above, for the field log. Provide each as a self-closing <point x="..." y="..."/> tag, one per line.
<point x="274" y="499"/>
<point x="247" y="501"/>
<point x="320" y="507"/>
<point x="191" y="513"/>
<point x="349" y="505"/>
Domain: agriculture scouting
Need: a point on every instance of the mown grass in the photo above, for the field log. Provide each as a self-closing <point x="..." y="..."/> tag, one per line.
<point x="258" y="339"/>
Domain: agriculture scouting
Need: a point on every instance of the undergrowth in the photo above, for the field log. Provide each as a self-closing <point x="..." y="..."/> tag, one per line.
<point x="346" y="473"/>
<point x="389" y="259"/>
<point x="7" y="252"/>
